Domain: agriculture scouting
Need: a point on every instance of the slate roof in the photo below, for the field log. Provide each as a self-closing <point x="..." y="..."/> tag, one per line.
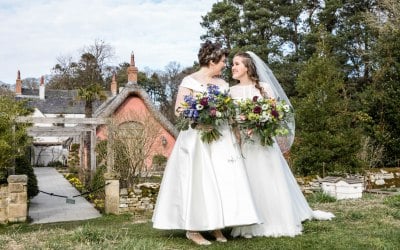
<point x="56" y="101"/>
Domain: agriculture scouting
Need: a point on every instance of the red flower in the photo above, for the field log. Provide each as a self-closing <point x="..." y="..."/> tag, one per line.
<point x="204" y="101"/>
<point x="255" y="98"/>
<point x="275" y="113"/>
<point x="257" y="109"/>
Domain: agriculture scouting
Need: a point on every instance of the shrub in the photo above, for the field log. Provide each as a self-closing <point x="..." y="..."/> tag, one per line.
<point x="75" y="181"/>
<point x="55" y="164"/>
<point x="320" y="197"/>
<point x="159" y="159"/>
<point x="98" y="181"/>
<point x="23" y="166"/>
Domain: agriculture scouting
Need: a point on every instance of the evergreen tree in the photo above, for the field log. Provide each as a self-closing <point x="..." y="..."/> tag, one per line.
<point x="381" y="99"/>
<point x="327" y="140"/>
<point x="13" y="137"/>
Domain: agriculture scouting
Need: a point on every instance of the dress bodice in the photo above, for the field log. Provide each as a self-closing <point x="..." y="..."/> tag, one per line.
<point x="240" y="92"/>
<point x="191" y="83"/>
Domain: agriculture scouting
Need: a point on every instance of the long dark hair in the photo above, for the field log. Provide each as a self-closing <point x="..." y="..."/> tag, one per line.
<point x="251" y="71"/>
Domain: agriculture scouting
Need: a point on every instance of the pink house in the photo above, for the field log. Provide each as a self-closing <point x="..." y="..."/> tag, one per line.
<point x="133" y="107"/>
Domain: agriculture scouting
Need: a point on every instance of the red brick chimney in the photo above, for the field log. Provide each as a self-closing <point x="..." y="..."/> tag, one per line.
<point x="132" y="71"/>
<point x="42" y="88"/>
<point x="113" y="86"/>
<point x="18" y="84"/>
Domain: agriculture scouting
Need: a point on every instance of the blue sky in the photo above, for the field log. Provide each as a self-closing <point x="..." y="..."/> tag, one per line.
<point x="33" y="34"/>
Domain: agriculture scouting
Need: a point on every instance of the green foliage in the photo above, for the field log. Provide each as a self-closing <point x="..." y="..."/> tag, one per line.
<point x="381" y="99"/>
<point x="73" y="157"/>
<point x="75" y="181"/>
<point x="98" y="182"/>
<point x="393" y="201"/>
<point x="89" y="95"/>
<point x="55" y="164"/>
<point x="327" y="138"/>
<point x="13" y="136"/>
<point x="320" y="197"/>
<point x="286" y="36"/>
<point x="23" y="166"/>
<point x="159" y="159"/>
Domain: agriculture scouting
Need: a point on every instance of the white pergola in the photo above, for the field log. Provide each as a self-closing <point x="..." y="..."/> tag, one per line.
<point x="83" y="125"/>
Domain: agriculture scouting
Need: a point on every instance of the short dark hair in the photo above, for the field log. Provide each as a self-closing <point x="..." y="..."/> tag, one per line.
<point x="211" y="52"/>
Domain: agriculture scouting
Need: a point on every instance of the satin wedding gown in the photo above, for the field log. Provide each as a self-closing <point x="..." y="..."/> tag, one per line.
<point x="205" y="186"/>
<point x="280" y="203"/>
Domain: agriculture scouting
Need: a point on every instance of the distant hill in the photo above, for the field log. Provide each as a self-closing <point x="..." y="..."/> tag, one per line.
<point x="7" y="86"/>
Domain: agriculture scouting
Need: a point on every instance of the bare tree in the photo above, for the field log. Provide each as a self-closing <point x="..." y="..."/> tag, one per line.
<point x="134" y="143"/>
<point x="103" y="53"/>
<point x="30" y="83"/>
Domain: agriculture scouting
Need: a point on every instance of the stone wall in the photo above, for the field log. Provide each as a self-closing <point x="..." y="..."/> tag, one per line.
<point x="382" y="178"/>
<point x="13" y="199"/>
<point x="118" y="200"/>
<point x="141" y="199"/>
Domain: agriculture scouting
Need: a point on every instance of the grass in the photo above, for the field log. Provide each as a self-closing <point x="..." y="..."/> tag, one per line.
<point x="372" y="222"/>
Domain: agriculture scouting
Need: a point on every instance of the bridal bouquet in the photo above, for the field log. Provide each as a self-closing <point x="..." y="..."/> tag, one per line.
<point x="205" y="112"/>
<point x="262" y="116"/>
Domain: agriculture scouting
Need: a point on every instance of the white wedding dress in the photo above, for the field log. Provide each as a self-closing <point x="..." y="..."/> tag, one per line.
<point x="205" y="186"/>
<point x="279" y="200"/>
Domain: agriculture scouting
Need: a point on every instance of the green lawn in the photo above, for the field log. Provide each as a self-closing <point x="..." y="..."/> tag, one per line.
<point x="372" y="222"/>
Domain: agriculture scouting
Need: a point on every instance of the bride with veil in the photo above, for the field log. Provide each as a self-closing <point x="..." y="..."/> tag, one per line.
<point x="281" y="205"/>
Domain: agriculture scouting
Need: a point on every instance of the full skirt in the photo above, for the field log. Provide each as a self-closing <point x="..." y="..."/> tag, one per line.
<point x="205" y="186"/>
<point x="281" y="204"/>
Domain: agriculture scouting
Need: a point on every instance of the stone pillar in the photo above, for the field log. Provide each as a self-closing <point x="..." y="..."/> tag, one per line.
<point x="111" y="203"/>
<point x="3" y="203"/>
<point x="18" y="197"/>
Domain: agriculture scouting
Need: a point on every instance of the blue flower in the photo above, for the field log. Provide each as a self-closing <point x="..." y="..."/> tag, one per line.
<point x="213" y="90"/>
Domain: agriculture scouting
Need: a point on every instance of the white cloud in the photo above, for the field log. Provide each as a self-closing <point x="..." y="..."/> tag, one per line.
<point x="34" y="33"/>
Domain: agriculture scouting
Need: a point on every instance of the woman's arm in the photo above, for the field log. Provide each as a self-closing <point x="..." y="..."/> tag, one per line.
<point x="182" y="92"/>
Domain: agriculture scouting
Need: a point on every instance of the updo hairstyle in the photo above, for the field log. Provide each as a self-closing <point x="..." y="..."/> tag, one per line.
<point x="211" y="52"/>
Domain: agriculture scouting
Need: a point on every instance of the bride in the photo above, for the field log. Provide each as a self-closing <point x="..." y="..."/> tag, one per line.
<point x="205" y="186"/>
<point x="278" y="198"/>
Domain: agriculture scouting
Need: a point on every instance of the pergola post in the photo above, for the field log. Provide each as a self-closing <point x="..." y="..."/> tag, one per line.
<point x="110" y="151"/>
<point x="93" y="150"/>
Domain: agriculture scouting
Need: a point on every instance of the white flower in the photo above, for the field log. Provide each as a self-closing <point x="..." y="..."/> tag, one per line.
<point x="264" y="106"/>
<point x="199" y="106"/>
<point x="260" y="99"/>
<point x="265" y="118"/>
<point x="286" y="108"/>
<point x="218" y="114"/>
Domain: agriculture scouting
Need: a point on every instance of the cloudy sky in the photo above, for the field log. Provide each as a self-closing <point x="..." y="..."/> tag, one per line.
<point x="34" y="33"/>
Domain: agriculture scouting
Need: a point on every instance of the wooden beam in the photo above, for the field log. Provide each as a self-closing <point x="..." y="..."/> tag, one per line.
<point x="50" y="120"/>
<point x="59" y="129"/>
<point x="53" y="134"/>
<point x="56" y="131"/>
